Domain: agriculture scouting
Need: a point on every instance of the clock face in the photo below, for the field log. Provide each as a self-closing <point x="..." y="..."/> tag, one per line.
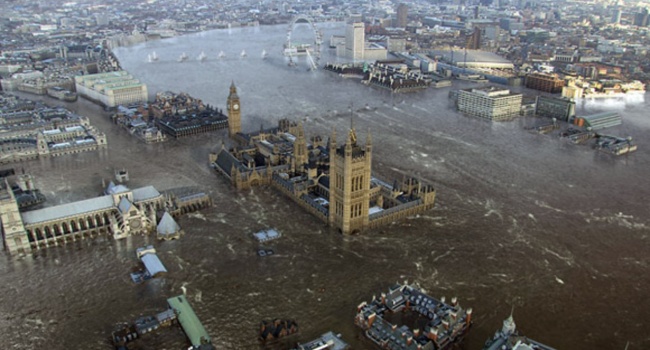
<point x="235" y="106"/>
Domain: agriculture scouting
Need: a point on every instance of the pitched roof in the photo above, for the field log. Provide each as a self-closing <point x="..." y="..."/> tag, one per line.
<point x="153" y="265"/>
<point x="125" y="205"/>
<point x="225" y="161"/>
<point x="67" y="210"/>
<point x="188" y="320"/>
<point x="145" y="193"/>
<point x="167" y="225"/>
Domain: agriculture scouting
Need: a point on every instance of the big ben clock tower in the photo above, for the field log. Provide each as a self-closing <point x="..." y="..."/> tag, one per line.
<point x="234" y="111"/>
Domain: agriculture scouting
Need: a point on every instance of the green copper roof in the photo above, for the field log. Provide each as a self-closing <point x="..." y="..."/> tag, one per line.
<point x="191" y="325"/>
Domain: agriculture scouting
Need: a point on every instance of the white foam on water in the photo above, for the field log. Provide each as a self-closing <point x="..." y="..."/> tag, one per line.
<point x="197" y="216"/>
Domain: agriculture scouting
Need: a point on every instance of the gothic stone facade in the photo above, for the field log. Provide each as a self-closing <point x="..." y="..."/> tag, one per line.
<point x="335" y="183"/>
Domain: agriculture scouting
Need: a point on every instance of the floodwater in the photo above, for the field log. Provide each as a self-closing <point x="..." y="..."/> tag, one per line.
<point x="558" y="231"/>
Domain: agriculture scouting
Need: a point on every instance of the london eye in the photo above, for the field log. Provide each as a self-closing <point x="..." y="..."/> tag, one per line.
<point x="312" y="52"/>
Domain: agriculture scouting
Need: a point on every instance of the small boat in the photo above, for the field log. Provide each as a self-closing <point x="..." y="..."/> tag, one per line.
<point x="264" y="54"/>
<point x="202" y="57"/>
<point x="243" y="54"/>
<point x="183" y="57"/>
<point x="154" y="57"/>
<point x="221" y="54"/>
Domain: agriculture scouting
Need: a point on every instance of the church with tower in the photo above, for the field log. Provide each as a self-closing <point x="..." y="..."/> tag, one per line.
<point x="333" y="182"/>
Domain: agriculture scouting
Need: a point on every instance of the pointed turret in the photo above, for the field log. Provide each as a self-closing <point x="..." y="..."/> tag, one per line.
<point x="233" y="88"/>
<point x="331" y="143"/>
<point x="368" y="141"/>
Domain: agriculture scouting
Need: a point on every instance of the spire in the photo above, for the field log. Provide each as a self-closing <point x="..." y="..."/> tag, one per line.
<point x="301" y="130"/>
<point x="368" y="138"/>
<point x="332" y="140"/>
<point x="233" y="88"/>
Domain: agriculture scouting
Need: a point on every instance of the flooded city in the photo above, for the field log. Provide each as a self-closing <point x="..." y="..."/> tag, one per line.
<point x="558" y="232"/>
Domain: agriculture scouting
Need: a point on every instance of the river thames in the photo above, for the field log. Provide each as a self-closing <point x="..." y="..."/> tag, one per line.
<point x="556" y="230"/>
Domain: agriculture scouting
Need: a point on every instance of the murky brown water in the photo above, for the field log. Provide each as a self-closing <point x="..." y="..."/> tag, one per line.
<point x="560" y="231"/>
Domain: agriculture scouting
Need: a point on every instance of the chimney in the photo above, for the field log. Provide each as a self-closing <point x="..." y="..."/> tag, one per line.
<point x="361" y="306"/>
<point x="453" y="316"/>
<point x="416" y="332"/>
<point x="445" y="323"/>
<point x="442" y="299"/>
<point x="383" y="298"/>
<point x="454" y="301"/>
<point x="409" y="340"/>
<point x="433" y="334"/>
<point x="469" y="316"/>
<point x="394" y="327"/>
<point x="371" y="319"/>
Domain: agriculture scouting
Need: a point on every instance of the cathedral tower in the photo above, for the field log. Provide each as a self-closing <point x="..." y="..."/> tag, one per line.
<point x="350" y="171"/>
<point x="234" y="111"/>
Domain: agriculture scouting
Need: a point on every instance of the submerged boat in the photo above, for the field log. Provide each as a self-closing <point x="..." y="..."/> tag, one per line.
<point x="243" y="53"/>
<point x="202" y="57"/>
<point x="221" y="54"/>
<point x="183" y="57"/>
<point x="153" y="56"/>
<point x="264" y="54"/>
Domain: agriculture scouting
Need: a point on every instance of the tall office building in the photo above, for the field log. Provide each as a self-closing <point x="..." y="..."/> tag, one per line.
<point x="616" y="17"/>
<point x="402" y="15"/>
<point x="354" y="40"/>
<point x="641" y="18"/>
<point x="489" y="102"/>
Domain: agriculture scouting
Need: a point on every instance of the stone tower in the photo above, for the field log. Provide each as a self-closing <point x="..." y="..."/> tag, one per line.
<point x="13" y="230"/>
<point x="234" y="111"/>
<point x="350" y="169"/>
<point x="300" y="150"/>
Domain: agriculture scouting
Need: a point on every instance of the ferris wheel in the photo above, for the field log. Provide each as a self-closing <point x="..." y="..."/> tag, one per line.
<point x="311" y="51"/>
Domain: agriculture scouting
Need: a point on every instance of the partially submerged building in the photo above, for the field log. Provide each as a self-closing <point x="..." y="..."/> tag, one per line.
<point x="119" y="213"/>
<point x="599" y="120"/>
<point x="560" y="108"/>
<point x="111" y="89"/>
<point x="508" y="338"/>
<point x="168" y="228"/>
<point x="327" y="341"/>
<point x="489" y="102"/>
<point x="445" y="323"/>
<point x="153" y="267"/>
<point x="334" y="182"/>
<point x="190" y="323"/>
<point x="38" y="131"/>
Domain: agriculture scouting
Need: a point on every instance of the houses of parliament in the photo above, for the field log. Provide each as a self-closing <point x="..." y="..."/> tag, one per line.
<point x="334" y="182"/>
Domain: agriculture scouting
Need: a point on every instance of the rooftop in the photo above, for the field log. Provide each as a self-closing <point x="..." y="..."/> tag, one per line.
<point x="193" y="328"/>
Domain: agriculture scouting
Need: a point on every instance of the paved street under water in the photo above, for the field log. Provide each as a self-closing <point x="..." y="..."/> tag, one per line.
<point x="557" y="230"/>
